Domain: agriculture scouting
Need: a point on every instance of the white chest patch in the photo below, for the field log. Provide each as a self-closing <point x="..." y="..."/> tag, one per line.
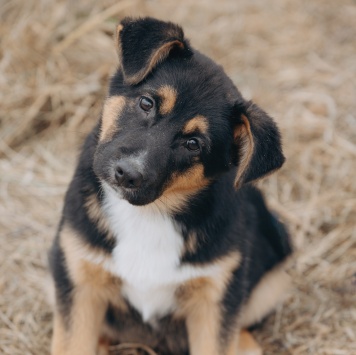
<point x="147" y="256"/>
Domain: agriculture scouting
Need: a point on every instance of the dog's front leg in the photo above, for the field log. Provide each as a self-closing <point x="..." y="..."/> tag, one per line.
<point x="205" y="336"/>
<point x="78" y="331"/>
<point x="200" y="303"/>
<point x="203" y="327"/>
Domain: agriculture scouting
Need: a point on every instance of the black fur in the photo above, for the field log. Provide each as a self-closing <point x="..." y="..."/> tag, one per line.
<point x="223" y="219"/>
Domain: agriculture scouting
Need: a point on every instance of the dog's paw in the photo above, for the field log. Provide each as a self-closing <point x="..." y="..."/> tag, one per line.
<point x="251" y="352"/>
<point x="248" y="345"/>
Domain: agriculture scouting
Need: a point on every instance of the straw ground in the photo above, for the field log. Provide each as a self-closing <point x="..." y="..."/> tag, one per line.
<point x="295" y="58"/>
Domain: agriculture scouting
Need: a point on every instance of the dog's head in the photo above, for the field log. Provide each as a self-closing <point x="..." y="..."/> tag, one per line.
<point x="173" y="121"/>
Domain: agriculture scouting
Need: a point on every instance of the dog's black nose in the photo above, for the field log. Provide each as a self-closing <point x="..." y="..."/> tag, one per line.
<point x="127" y="175"/>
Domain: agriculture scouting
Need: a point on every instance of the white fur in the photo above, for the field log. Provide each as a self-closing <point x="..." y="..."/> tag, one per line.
<point x="147" y="256"/>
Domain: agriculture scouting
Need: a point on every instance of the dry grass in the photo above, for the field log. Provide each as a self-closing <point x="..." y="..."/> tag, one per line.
<point x="295" y="58"/>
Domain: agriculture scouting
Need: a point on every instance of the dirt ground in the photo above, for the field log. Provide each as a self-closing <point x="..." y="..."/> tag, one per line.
<point x="296" y="59"/>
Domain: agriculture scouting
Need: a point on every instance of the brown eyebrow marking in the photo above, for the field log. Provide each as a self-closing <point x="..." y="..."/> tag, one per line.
<point x="169" y="97"/>
<point x="113" y="107"/>
<point x="197" y="124"/>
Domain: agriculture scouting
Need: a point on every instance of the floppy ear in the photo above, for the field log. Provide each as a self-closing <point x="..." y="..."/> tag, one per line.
<point x="257" y="143"/>
<point x="143" y="43"/>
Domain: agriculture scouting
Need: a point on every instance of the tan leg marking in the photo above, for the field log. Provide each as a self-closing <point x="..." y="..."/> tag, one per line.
<point x="113" y="108"/>
<point x="199" y="302"/>
<point x="233" y="345"/>
<point x="59" y="337"/>
<point x="94" y="288"/>
<point x="197" y="124"/>
<point x="103" y="348"/>
<point x="87" y="317"/>
<point x="272" y="289"/>
<point x="247" y="345"/>
<point x="96" y="215"/>
<point x="168" y="97"/>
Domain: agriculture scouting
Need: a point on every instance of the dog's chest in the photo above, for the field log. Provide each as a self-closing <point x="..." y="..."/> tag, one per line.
<point x="147" y="258"/>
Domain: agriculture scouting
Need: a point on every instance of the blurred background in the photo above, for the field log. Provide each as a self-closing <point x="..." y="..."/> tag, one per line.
<point x="296" y="59"/>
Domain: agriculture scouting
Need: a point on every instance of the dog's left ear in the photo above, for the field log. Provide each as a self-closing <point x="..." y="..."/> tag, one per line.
<point x="143" y="43"/>
<point x="257" y="143"/>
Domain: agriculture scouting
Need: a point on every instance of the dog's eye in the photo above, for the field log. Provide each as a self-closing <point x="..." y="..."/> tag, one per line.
<point x="145" y="103"/>
<point x="192" y="144"/>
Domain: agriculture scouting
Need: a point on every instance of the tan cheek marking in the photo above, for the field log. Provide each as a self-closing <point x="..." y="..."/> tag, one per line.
<point x="196" y="124"/>
<point x="181" y="188"/>
<point x="96" y="215"/>
<point x="169" y="97"/>
<point x="189" y="182"/>
<point x="199" y="302"/>
<point x="243" y="137"/>
<point x="113" y="108"/>
<point x="172" y="203"/>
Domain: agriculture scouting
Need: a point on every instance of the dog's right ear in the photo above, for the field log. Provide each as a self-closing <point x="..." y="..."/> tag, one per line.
<point x="257" y="143"/>
<point x="144" y="43"/>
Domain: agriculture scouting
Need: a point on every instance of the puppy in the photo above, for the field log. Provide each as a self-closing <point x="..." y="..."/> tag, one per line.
<point x="163" y="240"/>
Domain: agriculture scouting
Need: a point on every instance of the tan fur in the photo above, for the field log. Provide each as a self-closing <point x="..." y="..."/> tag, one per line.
<point x="191" y="181"/>
<point x="119" y="28"/>
<point x="87" y="273"/>
<point x="191" y="244"/>
<point x="243" y="343"/>
<point x="157" y="57"/>
<point x="243" y="137"/>
<point x="232" y="346"/>
<point x="117" y="38"/>
<point x="203" y="318"/>
<point x="104" y="348"/>
<point x="170" y="203"/>
<point x="94" y="289"/>
<point x="113" y="107"/>
<point x="87" y="316"/>
<point x="181" y="187"/>
<point x="199" y="302"/>
<point x="96" y="215"/>
<point x="118" y="41"/>
<point x="59" y="337"/>
<point x="168" y="99"/>
<point x="197" y="124"/>
<point x="247" y="345"/>
<point x="271" y="290"/>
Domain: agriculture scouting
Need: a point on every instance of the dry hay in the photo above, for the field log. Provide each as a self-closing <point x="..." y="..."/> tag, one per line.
<point x="295" y="58"/>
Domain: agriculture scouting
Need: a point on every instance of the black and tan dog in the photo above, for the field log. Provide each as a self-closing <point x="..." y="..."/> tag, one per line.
<point x="163" y="241"/>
